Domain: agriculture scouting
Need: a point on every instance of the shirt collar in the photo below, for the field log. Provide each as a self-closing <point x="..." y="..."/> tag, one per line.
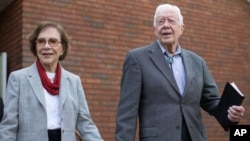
<point x="164" y="51"/>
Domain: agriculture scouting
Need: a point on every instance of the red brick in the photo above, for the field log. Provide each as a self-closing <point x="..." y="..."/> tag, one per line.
<point x="103" y="31"/>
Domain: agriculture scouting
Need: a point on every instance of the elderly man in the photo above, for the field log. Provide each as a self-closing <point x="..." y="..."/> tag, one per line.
<point x="164" y="85"/>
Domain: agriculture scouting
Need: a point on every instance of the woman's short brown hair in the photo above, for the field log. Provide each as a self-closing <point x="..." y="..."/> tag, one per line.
<point x="63" y="35"/>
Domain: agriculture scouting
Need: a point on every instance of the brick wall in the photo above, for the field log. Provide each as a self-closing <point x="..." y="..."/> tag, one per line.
<point x="11" y="34"/>
<point x="103" y="31"/>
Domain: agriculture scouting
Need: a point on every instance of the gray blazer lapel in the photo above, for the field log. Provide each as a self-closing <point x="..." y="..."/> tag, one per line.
<point x="36" y="84"/>
<point x="64" y="88"/>
<point x="158" y="59"/>
<point x="188" y="64"/>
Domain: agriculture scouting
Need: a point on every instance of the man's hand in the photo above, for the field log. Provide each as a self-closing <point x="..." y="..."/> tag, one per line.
<point x="235" y="113"/>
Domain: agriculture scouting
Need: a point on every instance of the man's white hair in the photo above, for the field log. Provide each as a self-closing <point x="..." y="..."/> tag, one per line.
<point x="169" y="6"/>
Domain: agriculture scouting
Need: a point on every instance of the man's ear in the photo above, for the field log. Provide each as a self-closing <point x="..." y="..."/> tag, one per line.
<point x="154" y="29"/>
<point x="182" y="29"/>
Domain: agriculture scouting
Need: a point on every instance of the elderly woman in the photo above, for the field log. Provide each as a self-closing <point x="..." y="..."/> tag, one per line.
<point x="45" y="102"/>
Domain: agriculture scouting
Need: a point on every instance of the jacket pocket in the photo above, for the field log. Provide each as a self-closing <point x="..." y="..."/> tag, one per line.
<point x="149" y="132"/>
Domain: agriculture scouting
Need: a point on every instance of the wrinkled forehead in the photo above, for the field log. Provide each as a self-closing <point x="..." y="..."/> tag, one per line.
<point x="167" y="12"/>
<point x="49" y="32"/>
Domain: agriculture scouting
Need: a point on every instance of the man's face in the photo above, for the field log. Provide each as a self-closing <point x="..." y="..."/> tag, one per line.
<point x="168" y="28"/>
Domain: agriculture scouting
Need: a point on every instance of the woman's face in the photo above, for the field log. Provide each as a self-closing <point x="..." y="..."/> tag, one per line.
<point x="49" y="48"/>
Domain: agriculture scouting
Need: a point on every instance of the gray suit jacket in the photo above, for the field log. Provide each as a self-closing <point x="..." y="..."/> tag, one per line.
<point x="25" y="111"/>
<point x="149" y="92"/>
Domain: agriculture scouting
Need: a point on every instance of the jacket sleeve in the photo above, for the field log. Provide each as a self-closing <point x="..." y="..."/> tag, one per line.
<point x="210" y="93"/>
<point x="85" y="124"/>
<point x="127" y="111"/>
<point x="9" y="123"/>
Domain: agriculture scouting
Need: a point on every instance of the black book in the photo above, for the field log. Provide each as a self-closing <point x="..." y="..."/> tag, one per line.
<point x="231" y="96"/>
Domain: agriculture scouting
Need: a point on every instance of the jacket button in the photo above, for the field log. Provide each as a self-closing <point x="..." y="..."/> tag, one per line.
<point x="178" y="127"/>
